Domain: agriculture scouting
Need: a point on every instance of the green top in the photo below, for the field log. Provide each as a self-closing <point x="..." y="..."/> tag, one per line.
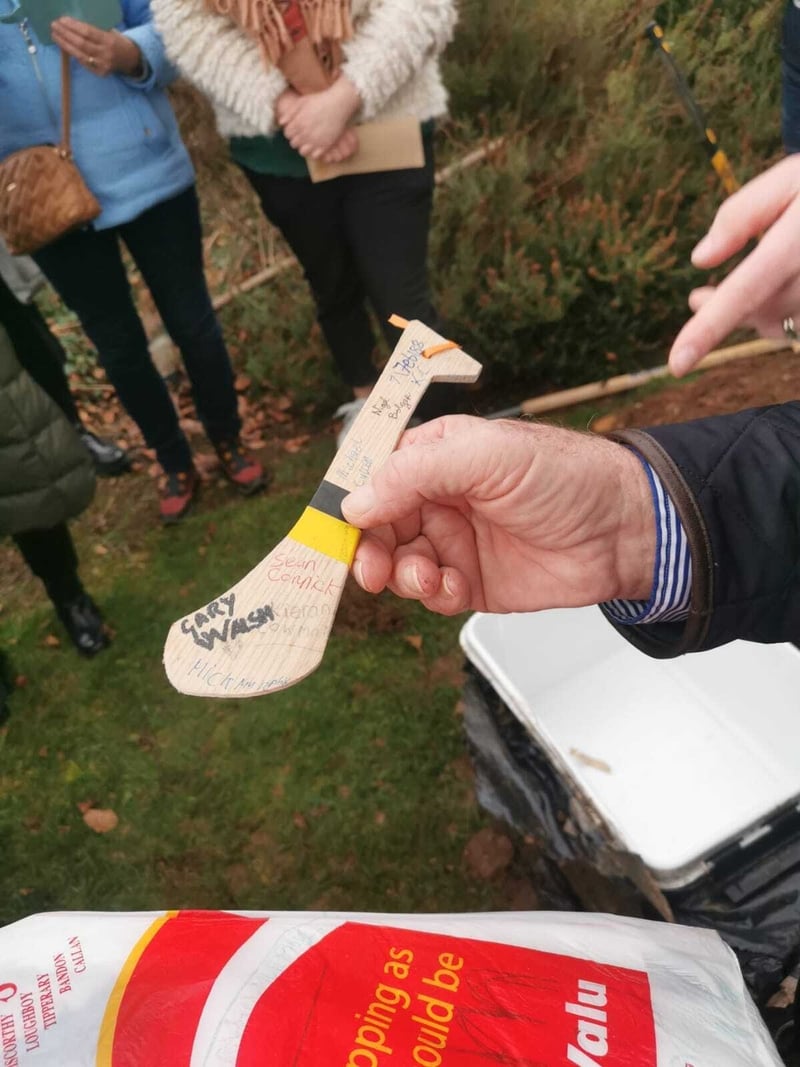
<point x="269" y="155"/>
<point x="274" y="155"/>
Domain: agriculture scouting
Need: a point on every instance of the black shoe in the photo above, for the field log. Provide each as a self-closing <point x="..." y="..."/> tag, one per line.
<point x="109" y="459"/>
<point x="84" y="624"/>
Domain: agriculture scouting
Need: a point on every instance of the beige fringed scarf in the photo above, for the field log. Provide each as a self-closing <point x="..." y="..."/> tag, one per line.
<point x="327" y="23"/>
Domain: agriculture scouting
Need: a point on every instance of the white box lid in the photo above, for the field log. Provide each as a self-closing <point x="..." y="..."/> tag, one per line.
<point x="680" y="757"/>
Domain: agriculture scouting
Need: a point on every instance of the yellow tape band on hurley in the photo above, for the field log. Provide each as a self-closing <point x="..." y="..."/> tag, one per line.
<point x="323" y="533"/>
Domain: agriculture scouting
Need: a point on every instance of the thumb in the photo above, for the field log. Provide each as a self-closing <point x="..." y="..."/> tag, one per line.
<point x="437" y="462"/>
<point x="406" y="481"/>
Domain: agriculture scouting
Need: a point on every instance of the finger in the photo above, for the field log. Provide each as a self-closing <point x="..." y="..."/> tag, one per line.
<point x="435" y="430"/>
<point x="284" y="112"/>
<point x="737" y="300"/>
<point x="768" y="321"/>
<point x="449" y="595"/>
<point x="428" y="466"/>
<point x="701" y="296"/>
<point x="415" y="577"/>
<point x="75" y="46"/>
<point x="88" y="54"/>
<point x="419" y="574"/>
<point x="76" y="25"/>
<point x="750" y="211"/>
<point x="79" y="35"/>
<point x="372" y="566"/>
<point x="454" y="595"/>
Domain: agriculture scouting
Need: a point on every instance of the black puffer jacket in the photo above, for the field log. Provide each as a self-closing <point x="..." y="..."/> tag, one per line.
<point x="735" y="480"/>
<point x="46" y="474"/>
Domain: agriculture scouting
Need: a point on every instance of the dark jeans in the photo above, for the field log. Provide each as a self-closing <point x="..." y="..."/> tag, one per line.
<point x="362" y="241"/>
<point x="87" y="270"/>
<point x="790" y="109"/>
<point x="50" y="554"/>
<point x="37" y="349"/>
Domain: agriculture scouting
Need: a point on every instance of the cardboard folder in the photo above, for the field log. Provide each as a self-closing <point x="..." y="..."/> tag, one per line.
<point x="387" y="144"/>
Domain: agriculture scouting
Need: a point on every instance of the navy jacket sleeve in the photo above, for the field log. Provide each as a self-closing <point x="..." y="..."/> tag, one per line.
<point x="735" y="480"/>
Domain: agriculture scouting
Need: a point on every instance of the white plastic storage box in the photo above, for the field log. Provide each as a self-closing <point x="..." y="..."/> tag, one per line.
<point x="674" y="780"/>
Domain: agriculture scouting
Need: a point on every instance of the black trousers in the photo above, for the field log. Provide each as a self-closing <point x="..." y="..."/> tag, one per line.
<point x="37" y="349"/>
<point x="87" y="270"/>
<point x="362" y="241"/>
<point x="50" y="554"/>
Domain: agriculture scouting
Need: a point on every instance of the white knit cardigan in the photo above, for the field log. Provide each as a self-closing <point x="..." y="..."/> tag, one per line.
<point x="392" y="59"/>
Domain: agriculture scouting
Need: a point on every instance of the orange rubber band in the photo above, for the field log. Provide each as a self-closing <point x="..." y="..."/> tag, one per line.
<point x="436" y="350"/>
<point x="432" y="350"/>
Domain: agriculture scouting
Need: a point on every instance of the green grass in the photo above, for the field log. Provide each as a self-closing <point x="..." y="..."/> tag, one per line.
<point x="350" y="790"/>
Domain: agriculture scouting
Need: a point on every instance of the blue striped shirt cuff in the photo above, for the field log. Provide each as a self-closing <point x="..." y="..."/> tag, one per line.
<point x="672" y="572"/>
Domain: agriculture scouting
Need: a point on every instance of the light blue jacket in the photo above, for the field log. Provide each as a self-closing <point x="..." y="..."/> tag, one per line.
<point x="125" y="137"/>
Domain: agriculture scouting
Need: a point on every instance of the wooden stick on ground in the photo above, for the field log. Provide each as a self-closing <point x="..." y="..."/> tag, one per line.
<point x="622" y="383"/>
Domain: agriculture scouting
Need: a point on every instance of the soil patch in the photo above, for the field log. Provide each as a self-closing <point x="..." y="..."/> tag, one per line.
<point x="742" y="384"/>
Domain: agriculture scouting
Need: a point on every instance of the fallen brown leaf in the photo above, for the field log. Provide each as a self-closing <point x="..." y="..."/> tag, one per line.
<point x="51" y="641"/>
<point x="100" y="550"/>
<point x="488" y="852"/>
<point x="101" y="820"/>
<point x="242" y="383"/>
<point x="415" y="640"/>
<point x="296" y="444"/>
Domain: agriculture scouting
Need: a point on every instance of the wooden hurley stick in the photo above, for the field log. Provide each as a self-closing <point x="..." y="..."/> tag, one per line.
<point x="270" y="629"/>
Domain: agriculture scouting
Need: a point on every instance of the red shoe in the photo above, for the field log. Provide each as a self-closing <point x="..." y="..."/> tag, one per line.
<point x="176" y="493"/>
<point x="241" y="467"/>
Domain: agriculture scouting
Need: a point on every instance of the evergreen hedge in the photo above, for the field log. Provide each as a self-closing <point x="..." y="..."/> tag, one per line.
<point x="567" y="256"/>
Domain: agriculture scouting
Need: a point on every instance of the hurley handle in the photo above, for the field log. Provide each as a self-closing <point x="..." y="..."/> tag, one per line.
<point x="420" y="358"/>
